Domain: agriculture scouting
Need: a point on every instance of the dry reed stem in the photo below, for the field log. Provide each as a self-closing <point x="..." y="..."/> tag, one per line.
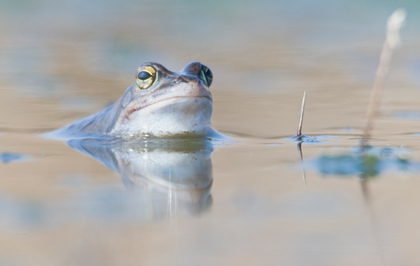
<point x="395" y="22"/>
<point x="302" y="111"/>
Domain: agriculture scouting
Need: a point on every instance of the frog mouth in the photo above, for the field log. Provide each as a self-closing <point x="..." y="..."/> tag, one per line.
<point x="174" y="115"/>
<point x="133" y="110"/>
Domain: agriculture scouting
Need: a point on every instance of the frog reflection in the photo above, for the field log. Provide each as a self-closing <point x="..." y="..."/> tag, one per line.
<point x="169" y="175"/>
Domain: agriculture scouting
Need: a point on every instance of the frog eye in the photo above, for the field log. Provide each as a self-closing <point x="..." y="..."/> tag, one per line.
<point x="206" y="75"/>
<point x="145" y="77"/>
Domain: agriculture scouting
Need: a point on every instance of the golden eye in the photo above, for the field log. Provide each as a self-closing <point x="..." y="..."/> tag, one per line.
<point x="145" y="77"/>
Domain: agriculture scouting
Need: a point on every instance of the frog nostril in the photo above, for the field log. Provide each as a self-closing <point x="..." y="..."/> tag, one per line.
<point x="177" y="80"/>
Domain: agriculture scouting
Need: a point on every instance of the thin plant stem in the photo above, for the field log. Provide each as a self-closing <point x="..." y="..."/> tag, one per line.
<point x="395" y="22"/>
<point x="302" y="111"/>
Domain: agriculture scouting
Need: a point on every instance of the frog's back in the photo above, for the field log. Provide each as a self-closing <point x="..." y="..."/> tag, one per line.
<point x="98" y="125"/>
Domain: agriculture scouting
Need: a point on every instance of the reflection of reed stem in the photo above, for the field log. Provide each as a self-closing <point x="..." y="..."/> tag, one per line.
<point x="365" y="191"/>
<point x="395" y="22"/>
<point x="299" y="146"/>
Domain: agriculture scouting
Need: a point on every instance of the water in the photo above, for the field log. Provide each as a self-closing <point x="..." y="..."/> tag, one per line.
<point x="249" y="200"/>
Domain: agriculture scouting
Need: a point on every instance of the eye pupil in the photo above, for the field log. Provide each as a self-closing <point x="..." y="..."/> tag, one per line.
<point x="144" y="75"/>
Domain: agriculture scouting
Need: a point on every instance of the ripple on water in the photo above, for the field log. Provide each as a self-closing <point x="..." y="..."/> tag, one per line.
<point x="313" y="139"/>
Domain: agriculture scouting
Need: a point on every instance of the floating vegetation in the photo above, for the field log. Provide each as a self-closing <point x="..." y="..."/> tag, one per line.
<point x="367" y="164"/>
<point x="408" y="115"/>
<point x="7" y="157"/>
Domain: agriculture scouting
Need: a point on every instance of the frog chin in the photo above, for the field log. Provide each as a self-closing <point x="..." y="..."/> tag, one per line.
<point x="178" y="115"/>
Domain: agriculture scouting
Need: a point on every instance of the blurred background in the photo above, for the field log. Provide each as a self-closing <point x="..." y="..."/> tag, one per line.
<point x="62" y="60"/>
<point x="81" y="55"/>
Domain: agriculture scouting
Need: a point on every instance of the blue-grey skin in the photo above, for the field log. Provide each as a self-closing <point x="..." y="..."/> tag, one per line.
<point x="176" y="103"/>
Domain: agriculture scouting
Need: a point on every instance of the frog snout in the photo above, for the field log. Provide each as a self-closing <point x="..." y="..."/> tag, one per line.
<point x="187" y="79"/>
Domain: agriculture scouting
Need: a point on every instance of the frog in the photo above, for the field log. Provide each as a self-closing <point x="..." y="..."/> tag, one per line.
<point x="160" y="103"/>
